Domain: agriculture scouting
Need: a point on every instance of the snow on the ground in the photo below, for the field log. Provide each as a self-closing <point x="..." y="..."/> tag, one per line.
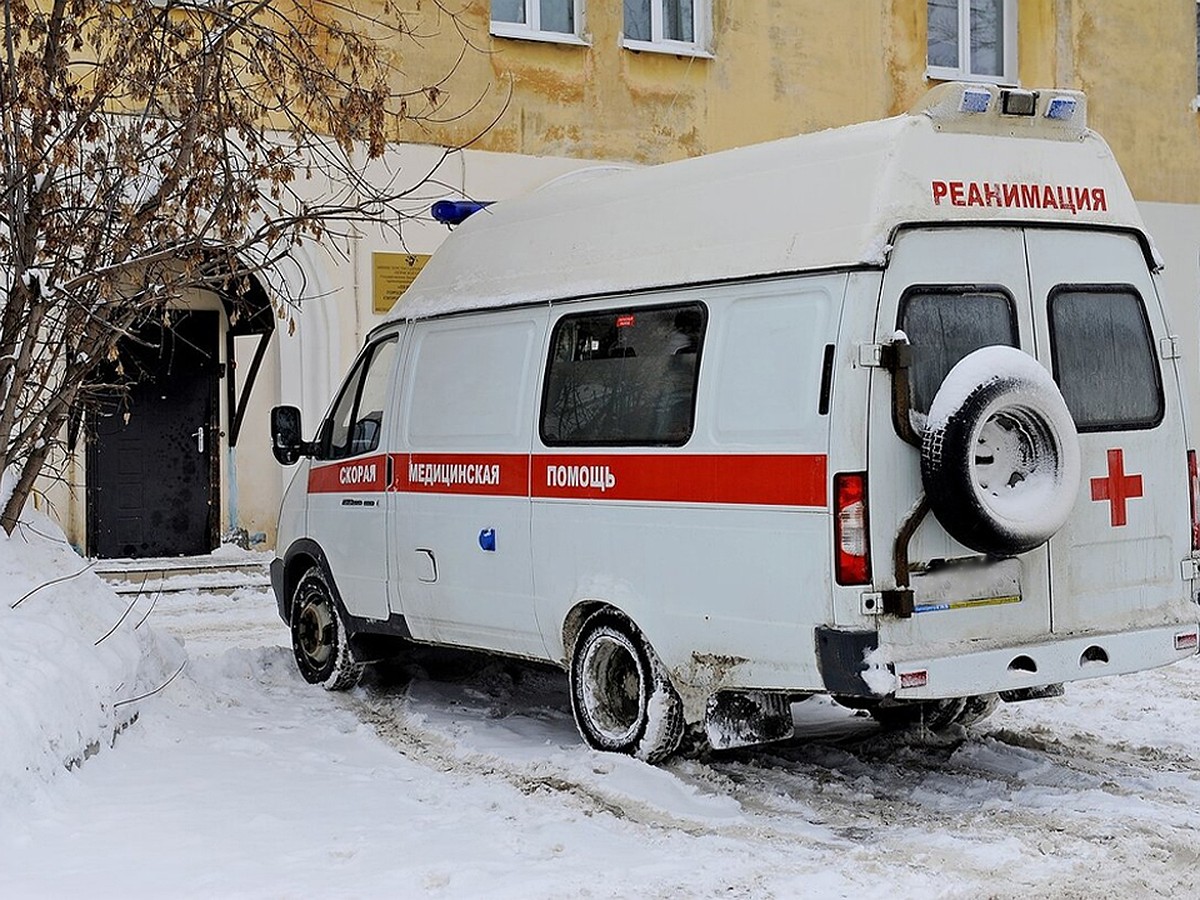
<point x="73" y="656"/>
<point x="460" y="776"/>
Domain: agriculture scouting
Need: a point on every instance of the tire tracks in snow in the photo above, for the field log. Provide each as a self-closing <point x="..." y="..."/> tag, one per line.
<point x="1076" y="797"/>
<point x="1088" y="804"/>
<point x="1094" y="754"/>
<point x="405" y="729"/>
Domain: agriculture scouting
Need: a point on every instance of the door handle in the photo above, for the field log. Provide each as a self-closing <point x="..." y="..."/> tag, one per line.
<point x="199" y="436"/>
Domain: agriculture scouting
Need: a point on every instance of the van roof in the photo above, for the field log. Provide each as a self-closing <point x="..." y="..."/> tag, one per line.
<point x="832" y="199"/>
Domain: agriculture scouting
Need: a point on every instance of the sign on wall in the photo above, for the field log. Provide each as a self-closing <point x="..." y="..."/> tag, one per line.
<point x="391" y="274"/>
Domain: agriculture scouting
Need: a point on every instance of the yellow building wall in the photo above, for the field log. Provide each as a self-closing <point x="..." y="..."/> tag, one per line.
<point x="781" y="67"/>
<point x="778" y="68"/>
<point x="1137" y="63"/>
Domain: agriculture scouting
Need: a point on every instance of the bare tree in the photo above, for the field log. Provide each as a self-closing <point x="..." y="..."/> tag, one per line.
<point x="149" y="148"/>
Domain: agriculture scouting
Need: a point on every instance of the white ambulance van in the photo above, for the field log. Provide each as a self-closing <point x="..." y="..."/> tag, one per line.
<point x="889" y="413"/>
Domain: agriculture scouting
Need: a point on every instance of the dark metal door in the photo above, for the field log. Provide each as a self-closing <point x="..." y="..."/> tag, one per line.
<point x="152" y="466"/>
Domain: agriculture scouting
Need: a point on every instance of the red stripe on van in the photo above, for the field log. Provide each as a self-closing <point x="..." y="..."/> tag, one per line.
<point x="762" y="480"/>
<point x="496" y="474"/>
<point x="366" y="474"/>
<point x="749" y="479"/>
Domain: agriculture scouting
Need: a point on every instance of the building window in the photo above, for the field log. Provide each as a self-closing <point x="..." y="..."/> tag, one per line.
<point x="972" y="40"/>
<point x="681" y="27"/>
<point x="1196" y="102"/>
<point x="559" y="21"/>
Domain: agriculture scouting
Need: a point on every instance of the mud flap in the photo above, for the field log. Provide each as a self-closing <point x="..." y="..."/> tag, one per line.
<point x="841" y="657"/>
<point x="744" y="718"/>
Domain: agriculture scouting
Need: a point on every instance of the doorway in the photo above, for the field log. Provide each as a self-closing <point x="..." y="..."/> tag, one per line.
<point x="153" y="468"/>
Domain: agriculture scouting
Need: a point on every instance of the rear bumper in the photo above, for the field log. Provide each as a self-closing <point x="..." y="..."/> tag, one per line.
<point x="1051" y="662"/>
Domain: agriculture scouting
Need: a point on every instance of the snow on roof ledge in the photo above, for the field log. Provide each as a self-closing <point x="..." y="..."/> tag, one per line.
<point x="815" y="201"/>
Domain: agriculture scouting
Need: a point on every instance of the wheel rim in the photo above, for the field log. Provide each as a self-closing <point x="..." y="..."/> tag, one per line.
<point x="613" y="689"/>
<point x="1015" y="463"/>
<point x="314" y="632"/>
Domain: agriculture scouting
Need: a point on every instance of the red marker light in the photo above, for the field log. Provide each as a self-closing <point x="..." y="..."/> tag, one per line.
<point x="624" y="321"/>
<point x="851" y="544"/>
<point x="1194" y="497"/>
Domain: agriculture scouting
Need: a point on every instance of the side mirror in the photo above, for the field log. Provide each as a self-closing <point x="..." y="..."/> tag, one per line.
<point x="286" y="441"/>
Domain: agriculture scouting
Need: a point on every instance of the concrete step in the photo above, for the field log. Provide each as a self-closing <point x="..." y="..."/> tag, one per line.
<point x="199" y="574"/>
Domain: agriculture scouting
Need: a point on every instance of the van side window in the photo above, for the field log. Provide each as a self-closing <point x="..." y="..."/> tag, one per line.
<point x="944" y="324"/>
<point x="623" y="376"/>
<point x="1104" y="360"/>
<point x="356" y="423"/>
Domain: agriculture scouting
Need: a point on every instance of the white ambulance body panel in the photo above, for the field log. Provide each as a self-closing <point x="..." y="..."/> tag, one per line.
<point x="721" y="433"/>
<point x="461" y="511"/>
<point x="932" y="272"/>
<point x="1084" y="304"/>
<point x="704" y="543"/>
<point x="814" y="202"/>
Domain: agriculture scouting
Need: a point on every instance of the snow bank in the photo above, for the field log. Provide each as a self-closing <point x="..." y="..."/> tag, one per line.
<point x="62" y="682"/>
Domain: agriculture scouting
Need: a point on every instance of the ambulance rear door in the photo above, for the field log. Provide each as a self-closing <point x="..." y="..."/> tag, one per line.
<point x="1115" y="565"/>
<point x="951" y="291"/>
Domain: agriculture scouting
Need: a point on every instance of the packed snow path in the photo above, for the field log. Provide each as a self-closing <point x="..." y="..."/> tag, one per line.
<point x="460" y="776"/>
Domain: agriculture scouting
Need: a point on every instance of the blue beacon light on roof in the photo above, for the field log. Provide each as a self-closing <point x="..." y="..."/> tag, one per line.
<point x="454" y="212"/>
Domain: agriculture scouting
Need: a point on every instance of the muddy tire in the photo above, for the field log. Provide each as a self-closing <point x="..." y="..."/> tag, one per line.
<point x="1000" y="454"/>
<point x="319" y="640"/>
<point x="977" y="708"/>
<point x="621" y="696"/>
<point x="934" y="715"/>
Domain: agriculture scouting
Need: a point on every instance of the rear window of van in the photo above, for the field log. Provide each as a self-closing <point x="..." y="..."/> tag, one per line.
<point x="944" y="324"/>
<point x="1104" y="359"/>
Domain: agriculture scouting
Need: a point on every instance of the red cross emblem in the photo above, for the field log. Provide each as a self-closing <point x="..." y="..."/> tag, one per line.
<point x="1117" y="487"/>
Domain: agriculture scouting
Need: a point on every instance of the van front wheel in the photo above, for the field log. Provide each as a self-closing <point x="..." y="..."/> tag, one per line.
<point x="319" y="639"/>
<point x="621" y="695"/>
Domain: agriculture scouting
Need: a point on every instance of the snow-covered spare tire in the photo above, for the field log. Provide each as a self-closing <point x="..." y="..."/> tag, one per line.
<point x="1000" y="454"/>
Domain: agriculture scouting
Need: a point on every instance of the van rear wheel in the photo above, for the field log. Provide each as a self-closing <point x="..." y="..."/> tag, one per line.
<point x="935" y="715"/>
<point x="621" y="695"/>
<point x="319" y="639"/>
<point x="977" y="708"/>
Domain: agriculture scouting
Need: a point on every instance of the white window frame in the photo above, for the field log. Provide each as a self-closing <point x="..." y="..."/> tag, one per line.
<point x="1196" y="99"/>
<point x="531" y="30"/>
<point x="963" y="71"/>
<point x="701" y="24"/>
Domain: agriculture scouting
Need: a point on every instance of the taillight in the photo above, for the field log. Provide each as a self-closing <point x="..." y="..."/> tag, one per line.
<point x="1194" y="498"/>
<point x="851" y="540"/>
